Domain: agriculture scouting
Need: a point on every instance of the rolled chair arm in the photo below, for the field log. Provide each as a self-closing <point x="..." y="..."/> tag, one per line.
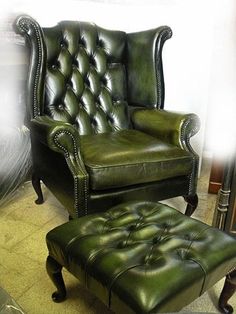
<point x="172" y="127"/>
<point x="59" y="136"/>
<point x="63" y="138"/>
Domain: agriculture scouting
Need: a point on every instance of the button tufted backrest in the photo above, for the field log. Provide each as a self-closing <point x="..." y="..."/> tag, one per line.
<point x="85" y="81"/>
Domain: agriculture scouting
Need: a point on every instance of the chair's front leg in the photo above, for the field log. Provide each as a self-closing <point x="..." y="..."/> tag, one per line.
<point x="54" y="272"/>
<point x="192" y="202"/>
<point x="227" y="292"/>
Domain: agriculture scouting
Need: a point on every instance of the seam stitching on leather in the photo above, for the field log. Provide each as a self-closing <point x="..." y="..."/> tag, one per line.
<point x="185" y="141"/>
<point x="22" y="23"/>
<point x="192" y="259"/>
<point x="115" y="279"/>
<point x="165" y="34"/>
<point x="78" y="205"/>
<point x="203" y="270"/>
<point x="134" y="164"/>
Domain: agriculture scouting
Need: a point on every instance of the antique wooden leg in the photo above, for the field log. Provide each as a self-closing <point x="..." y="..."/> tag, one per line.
<point x="227" y="292"/>
<point x="192" y="201"/>
<point x="54" y="272"/>
<point x="37" y="188"/>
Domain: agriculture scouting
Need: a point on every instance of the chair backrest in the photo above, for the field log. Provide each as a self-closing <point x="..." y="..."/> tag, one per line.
<point x="78" y="75"/>
<point x="85" y="81"/>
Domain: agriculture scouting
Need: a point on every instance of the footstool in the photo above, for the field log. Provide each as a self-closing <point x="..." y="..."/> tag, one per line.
<point x="142" y="257"/>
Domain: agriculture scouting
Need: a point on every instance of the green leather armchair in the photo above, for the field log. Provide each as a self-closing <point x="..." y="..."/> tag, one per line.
<point x="99" y="133"/>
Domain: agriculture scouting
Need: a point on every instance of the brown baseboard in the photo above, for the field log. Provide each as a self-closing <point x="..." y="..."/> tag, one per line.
<point x="214" y="187"/>
<point x="216" y="176"/>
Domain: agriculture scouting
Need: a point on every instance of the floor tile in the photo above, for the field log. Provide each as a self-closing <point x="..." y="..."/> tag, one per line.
<point x="79" y="300"/>
<point x="34" y="246"/>
<point x="14" y="231"/>
<point x="18" y="273"/>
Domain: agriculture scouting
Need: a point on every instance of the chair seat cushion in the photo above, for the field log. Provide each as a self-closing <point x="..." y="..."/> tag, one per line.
<point x="129" y="157"/>
<point x="143" y="257"/>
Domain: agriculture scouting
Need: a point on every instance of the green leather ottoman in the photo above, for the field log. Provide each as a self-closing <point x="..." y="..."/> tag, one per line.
<point x="140" y="257"/>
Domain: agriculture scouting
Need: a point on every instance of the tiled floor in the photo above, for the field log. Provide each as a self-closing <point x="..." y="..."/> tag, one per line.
<point x="23" y="253"/>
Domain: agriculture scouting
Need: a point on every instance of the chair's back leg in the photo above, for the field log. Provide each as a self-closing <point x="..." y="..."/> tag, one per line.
<point x="37" y="188"/>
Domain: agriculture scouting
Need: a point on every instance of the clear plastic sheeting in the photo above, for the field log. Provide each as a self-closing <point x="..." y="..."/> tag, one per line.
<point x="15" y="160"/>
<point x="15" y="157"/>
<point x="8" y="305"/>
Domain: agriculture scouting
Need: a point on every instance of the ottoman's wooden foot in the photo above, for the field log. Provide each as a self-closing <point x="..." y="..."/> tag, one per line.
<point x="37" y="188"/>
<point x="227" y="292"/>
<point x="54" y="272"/>
<point x="192" y="201"/>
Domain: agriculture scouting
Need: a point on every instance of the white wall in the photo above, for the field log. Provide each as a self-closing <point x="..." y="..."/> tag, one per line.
<point x="199" y="60"/>
<point x="221" y="115"/>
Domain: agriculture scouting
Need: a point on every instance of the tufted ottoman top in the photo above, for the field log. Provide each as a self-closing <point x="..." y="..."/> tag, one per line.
<point x="143" y="257"/>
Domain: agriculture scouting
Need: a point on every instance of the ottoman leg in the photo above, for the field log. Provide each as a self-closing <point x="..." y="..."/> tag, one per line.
<point x="54" y="272"/>
<point x="192" y="201"/>
<point x="227" y="292"/>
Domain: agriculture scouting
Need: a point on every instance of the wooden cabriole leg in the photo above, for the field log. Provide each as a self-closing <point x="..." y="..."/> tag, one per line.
<point x="227" y="292"/>
<point x="192" y="201"/>
<point x="54" y="272"/>
<point x="37" y="188"/>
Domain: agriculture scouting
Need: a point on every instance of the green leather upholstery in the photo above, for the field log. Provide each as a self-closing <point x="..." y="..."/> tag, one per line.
<point x="132" y="157"/>
<point x="85" y="77"/>
<point x="143" y="257"/>
<point x="94" y="103"/>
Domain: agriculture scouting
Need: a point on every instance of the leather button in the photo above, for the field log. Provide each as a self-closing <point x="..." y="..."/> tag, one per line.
<point x="93" y="121"/>
<point x="104" y="80"/>
<point x="132" y="227"/>
<point x="86" y="81"/>
<point x="61" y="107"/>
<point x="121" y="244"/>
<point x="187" y="237"/>
<point x="165" y="226"/>
<point x="82" y="41"/>
<point x="75" y="63"/>
<point x="91" y="60"/>
<point x="55" y="65"/>
<point x="156" y="240"/>
<point x="100" y="43"/>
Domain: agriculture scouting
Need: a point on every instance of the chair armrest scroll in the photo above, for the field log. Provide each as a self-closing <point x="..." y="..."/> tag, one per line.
<point x="172" y="127"/>
<point x="63" y="138"/>
<point x="59" y="136"/>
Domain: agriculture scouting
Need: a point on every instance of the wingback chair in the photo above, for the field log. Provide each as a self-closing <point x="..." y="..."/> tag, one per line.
<point x="99" y="132"/>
